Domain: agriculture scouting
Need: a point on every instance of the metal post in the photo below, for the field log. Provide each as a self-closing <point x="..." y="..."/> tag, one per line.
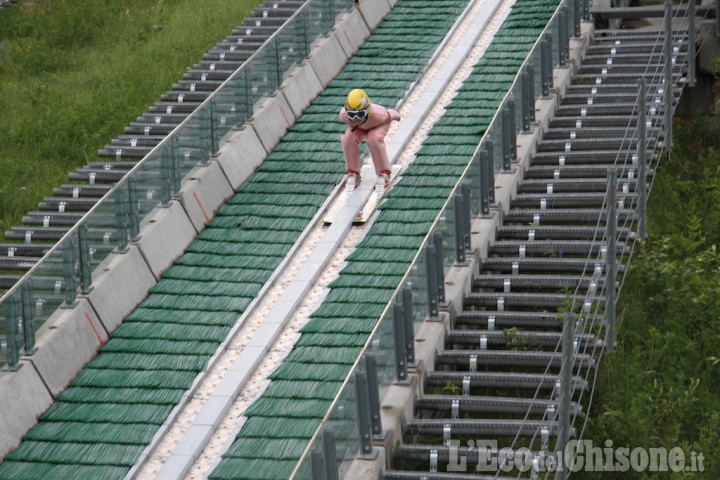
<point x="400" y="343"/>
<point x="175" y="166"/>
<point x="490" y="171"/>
<point x="611" y="260"/>
<point x="465" y="188"/>
<point x="525" y="100"/>
<point x="373" y="393"/>
<point x="668" y="76"/>
<point x="121" y="217"/>
<point x="691" y="46"/>
<point x="563" y="36"/>
<point x="544" y="67"/>
<point x="531" y="92"/>
<point x="11" y="335"/>
<point x="409" y="324"/>
<point x="28" y="318"/>
<point x="317" y="465"/>
<point x="586" y="10"/>
<point x="214" y="143"/>
<point x="431" y="273"/>
<point x="717" y="18"/>
<point x="330" y="454"/>
<point x="84" y="249"/>
<point x="565" y="388"/>
<point x="439" y="266"/>
<point x="576" y="18"/>
<point x="551" y="83"/>
<point x="69" y="287"/>
<point x="134" y="217"/>
<point x="459" y="228"/>
<point x="506" y="137"/>
<point x="642" y="161"/>
<point x="165" y="175"/>
<point x="363" y="413"/>
<point x="513" y="131"/>
<point x="484" y="188"/>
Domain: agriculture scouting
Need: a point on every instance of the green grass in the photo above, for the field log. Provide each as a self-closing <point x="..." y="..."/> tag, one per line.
<point x="74" y="73"/>
<point x="660" y="388"/>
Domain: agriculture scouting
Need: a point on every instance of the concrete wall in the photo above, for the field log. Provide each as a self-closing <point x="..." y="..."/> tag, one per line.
<point x="73" y="335"/>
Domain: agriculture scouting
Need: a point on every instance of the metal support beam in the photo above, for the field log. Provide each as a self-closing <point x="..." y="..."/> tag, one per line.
<point x="68" y="285"/>
<point x="513" y="131"/>
<point x="459" y="210"/>
<point x="531" y="92"/>
<point x="525" y="100"/>
<point x="568" y="353"/>
<point x="642" y="161"/>
<point x="84" y="258"/>
<point x="506" y="138"/>
<point x="545" y="66"/>
<point x="611" y="260"/>
<point x="363" y="413"/>
<point x="317" y="464"/>
<point x="484" y="188"/>
<point x="562" y="36"/>
<point x="330" y="454"/>
<point x="373" y="393"/>
<point x="12" y="339"/>
<point x="490" y="172"/>
<point x="399" y="342"/>
<point x="692" y="34"/>
<point x="669" y="87"/>
<point x="409" y="324"/>
<point x="28" y="318"/>
<point x="437" y="239"/>
<point x="431" y="274"/>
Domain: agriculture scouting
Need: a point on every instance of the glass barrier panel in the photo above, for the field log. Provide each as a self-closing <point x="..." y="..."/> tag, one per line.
<point x="152" y="184"/>
<point x="382" y="347"/>
<point x="55" y="280"/>
<point x="417" y="282"/>
<point x="536" y="61"/>
<point x="191" y="146"/>
<point x="446" y="227"/>
<point x="261" y="74"/>
<point x="494" y="133"/>
<point x="112" y="223"/>
<point x="11" y="340"/>
<point x="291" y="44"/>
<point x="320" y="19"/>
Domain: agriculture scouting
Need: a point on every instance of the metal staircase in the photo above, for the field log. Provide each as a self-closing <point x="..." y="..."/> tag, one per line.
<point x="498" y="375"/>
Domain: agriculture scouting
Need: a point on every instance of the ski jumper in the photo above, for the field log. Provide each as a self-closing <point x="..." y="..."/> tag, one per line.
<point x="374" y="129"/>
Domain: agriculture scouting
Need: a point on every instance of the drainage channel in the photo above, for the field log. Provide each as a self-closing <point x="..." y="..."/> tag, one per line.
<point x="69" y="202"/>
<point x="496" y="381"/>
<point x="208" y="422"/>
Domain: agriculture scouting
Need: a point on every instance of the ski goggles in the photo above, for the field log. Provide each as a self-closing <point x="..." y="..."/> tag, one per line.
<point x="356" y="114"/>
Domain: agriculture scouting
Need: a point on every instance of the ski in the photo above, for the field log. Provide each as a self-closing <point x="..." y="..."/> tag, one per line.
<point x="339" y="204"/>
<point x="374" y="200"/>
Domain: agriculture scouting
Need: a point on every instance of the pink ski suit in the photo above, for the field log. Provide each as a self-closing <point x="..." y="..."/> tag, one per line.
<point x="374" y="129"/>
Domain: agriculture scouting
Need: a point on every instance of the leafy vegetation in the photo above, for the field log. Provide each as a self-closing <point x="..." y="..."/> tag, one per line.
<point x="74" y="73"/>
<point x="661" y="389"/>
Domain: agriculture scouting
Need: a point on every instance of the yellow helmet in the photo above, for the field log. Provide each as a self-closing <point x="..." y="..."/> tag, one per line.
<point x="358" y="101"/>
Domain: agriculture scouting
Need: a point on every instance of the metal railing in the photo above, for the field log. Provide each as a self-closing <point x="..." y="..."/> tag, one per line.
<point x="71" y="265"/>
